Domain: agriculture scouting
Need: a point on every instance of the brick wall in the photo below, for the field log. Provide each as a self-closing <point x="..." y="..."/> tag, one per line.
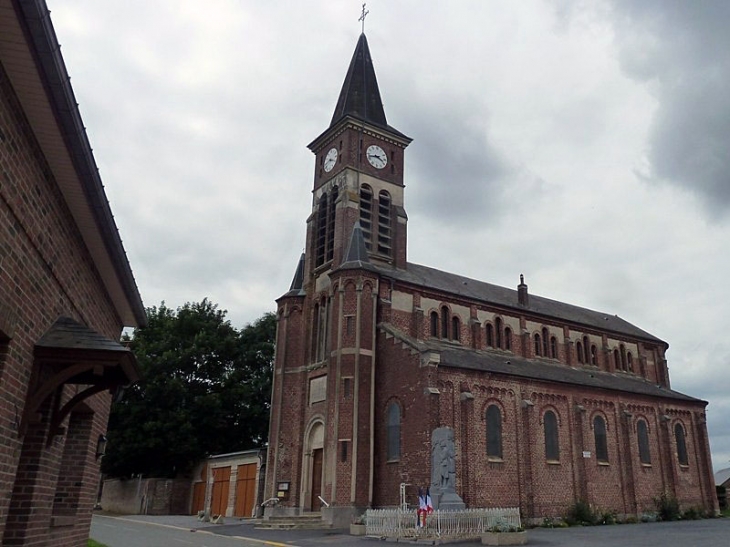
<point x="523" y="477"/>
<point x="146" y="496"/>
<point x="45" y="272"/>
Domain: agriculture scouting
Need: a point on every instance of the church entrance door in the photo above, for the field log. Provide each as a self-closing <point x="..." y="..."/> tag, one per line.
<point x="313" y="471"/>
<point x="316" y="478"/>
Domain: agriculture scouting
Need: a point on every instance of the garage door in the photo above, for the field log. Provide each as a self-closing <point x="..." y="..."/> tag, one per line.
<point x="245" y="490"/>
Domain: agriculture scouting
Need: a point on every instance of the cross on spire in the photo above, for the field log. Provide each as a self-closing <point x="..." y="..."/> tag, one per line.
<point x="362" y="17"/>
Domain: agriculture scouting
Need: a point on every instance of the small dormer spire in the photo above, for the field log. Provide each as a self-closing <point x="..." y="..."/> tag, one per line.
<point x="522" y="295"/>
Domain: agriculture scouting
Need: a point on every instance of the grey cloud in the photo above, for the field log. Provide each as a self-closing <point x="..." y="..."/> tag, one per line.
<point x="455" y="172"/>
<point x="682" y="51"/>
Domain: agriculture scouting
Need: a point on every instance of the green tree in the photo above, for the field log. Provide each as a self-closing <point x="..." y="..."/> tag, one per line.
<point x="205" y="389"/>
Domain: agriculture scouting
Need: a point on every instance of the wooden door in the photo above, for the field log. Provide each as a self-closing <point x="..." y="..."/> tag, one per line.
<point x="198" y="498"/>
<point x="245" y="490"/>
<point x="221" y="484"/>
<point x="199" y="491"/>
<point x="317" y="454"/>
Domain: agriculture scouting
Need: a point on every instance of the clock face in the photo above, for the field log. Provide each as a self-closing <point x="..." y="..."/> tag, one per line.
<point x="377" y="156"/>
<point x="330" y="159"/>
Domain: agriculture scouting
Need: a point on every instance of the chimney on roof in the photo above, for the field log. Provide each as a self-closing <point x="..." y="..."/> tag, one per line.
<point x="522" y="297"/>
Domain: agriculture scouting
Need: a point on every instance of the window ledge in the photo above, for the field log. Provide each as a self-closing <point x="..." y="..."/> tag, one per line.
<point x="553" y="462"/>
<point x="493" y="459"/>
<point x="604" y="464"/>
<point x="645" y="465"/>
<point x="62" y="520"/>
<point x="396" y="460"/>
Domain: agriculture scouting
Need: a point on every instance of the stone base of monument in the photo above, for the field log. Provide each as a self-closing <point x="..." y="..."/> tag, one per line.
<point x="447" y="501"/>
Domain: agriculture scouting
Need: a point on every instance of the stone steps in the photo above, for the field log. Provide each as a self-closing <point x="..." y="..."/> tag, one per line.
<point x="309" y="521"/>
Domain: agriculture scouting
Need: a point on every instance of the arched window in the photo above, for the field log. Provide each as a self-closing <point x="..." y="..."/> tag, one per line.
<point x="498" y="332"/>
<point x="366" y="214"/>
<point x="494" y="432"/>
<point x="642" y="434"/>
<point x="681" y="445"/>
<point x="315" y="334"/>
<point x="594" y="355"/>
<point x="579" y="351"/>
<point x="445" y="322"/>
<point x="538" y="345"/>
<point x="321" y="234"/>
<point x="490" y="335"/>
<point x="319" y="332"/>
<point x="545" y="342"/>
<point x="599" y="435"/>
<point x="553" y="347"/>
<point x="616" y="359"/>
<point x="623" y="357"/>
<point x="508" y="339"/>
<point x="384" y="224"/>
<point x="330" y="244"/>
<point x="630" y="362"/>
<point x="393" y="431"/>
<point x="552" y="444"/>
<point x="434" y="324"/>
<point x="455" y="328"/>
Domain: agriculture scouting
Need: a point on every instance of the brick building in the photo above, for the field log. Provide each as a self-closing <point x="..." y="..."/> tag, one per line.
<point x="66" y="292"/>
<point x="549" y="402"/>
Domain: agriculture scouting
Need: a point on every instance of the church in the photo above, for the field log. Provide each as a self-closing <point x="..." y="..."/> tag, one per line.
<point x="549" y="403"/>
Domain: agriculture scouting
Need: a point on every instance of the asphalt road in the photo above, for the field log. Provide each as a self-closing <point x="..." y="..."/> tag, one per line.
<point x="123" y="532"/>
<point x="186" y="531"/>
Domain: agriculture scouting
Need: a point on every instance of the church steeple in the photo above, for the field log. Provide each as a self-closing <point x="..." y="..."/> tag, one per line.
<point x="358" y="176"/>
<point x="360" y="96"/>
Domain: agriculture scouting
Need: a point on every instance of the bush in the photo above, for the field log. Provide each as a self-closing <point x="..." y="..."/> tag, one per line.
<point x="609" y="517"/>
<point x="667" y="507"/>
<point x="503" y="526"/>
<point x="581" y="514"/>
<point x="693" y="514"/>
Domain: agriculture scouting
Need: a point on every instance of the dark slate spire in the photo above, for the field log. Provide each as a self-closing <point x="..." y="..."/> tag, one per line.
<point x="297" y="284"/>
<point x="360" y="96"/>
<point x="357" y="252"/>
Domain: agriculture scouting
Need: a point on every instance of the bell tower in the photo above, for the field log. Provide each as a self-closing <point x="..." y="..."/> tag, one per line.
<point x="358" y="176"/>
<point x="322" y="428"/>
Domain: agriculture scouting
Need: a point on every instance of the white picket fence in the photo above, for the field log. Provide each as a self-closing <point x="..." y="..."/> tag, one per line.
<point x="464" y="524"/>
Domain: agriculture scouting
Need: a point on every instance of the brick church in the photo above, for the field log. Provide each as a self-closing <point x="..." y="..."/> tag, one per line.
<point x="549" y="402"/>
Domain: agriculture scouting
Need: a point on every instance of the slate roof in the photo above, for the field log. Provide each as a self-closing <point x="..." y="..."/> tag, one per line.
<point x="357" y="253"/>
<point x="423" y="276"/>
<point x="297" y="284"/>
<point x="722" y="476"/>
<point x="360" y="95"/>
<point x="68" y="341"/>
<point x="496" y="362"/>
<point x="66" y="333"/>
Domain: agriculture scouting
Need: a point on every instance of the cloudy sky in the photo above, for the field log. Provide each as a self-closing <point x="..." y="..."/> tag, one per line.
<point x="584" y="144"/>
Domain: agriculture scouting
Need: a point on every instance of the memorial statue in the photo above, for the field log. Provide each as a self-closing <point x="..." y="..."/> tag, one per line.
<point x="443" y="470"/>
